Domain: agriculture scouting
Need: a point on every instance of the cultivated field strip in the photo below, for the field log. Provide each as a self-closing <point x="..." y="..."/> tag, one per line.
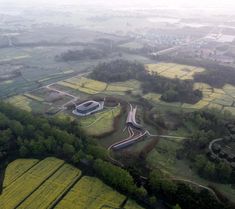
<point x="16" y="169"/>
<point x="48" y="192"/>
<point x="25" y="185"/>
<point x="51" y="183"/>
<point x="90" y="193"/>
<point x="172" y="70"/>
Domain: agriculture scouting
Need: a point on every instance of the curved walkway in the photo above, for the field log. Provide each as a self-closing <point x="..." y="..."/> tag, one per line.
<point x="144" y="132"/>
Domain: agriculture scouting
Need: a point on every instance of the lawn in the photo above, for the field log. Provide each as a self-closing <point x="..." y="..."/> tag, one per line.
<point x="100" y="123"/>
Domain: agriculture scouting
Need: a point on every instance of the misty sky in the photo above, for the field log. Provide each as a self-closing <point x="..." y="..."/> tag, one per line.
<point x="209" y="7"/>
<point x="171" y="3"/>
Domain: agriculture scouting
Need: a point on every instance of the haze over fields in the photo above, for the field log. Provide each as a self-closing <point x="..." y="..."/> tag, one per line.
<point x="125" y="104"/>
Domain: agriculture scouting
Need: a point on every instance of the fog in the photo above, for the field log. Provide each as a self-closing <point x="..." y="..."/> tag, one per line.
<point x="225" y="4"/>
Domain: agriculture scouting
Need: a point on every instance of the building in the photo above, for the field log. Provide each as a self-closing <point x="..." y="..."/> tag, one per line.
<point x="88" y="107"/>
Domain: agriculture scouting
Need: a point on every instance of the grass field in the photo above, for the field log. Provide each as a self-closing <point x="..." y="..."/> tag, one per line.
<point x="100" y="123"/>
<point x="173" y="70"/>
<point x="51" y="183"/>
<point x="91" y="193"/>
<point x="164" y="155"/>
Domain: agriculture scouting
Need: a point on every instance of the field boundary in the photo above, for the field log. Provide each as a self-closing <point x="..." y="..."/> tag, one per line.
<point x="21" y="174"/>
<point x="36" y="188"/>
<point x="65" y="192"/>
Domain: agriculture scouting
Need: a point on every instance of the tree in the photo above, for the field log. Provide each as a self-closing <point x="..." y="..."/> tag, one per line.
<point x="200" y="162"/>
<point x="24" y="152"/>
<point x="223" y="171"/>
<point x="176" y="207"/>
<point x="209" y="170"/>
<point x="68" y="150"/>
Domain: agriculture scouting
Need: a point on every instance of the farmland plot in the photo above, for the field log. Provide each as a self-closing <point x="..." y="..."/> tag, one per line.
<point x="85" y="85"/>
<point x="52" y="188"/>
<point x="172" y="70"/>
<point x="21" y="102"/>
<point x="90" y="193"/>
<point x="17" y="192"/>
<point x="16" y="169"/>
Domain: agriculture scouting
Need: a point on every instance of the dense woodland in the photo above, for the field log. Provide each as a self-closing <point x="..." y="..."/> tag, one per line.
<point x="202" y="127"/>
<point x="23" y="134"/>
<point x="206" y="126"/>
<point x="77" y="55"/>
<point x="172" y="90"/>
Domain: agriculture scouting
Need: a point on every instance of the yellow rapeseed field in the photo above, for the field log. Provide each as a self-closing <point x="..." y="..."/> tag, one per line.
<point x="173" y="70"/>
<point x="17" y="168"/>
<point x="49" y="191"/>
<point x="14" y="194"/>
<point x="90" y="193"/>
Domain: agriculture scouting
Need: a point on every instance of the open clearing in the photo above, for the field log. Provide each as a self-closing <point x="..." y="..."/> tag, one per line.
<point x="173" y="70"/>
<point x="30" y="183"/>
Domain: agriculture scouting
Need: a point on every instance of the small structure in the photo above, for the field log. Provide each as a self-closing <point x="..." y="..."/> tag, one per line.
<point x="87" y="108"/>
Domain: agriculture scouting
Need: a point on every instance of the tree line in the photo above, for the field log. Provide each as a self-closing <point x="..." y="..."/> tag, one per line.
<point x="84" y="54"/>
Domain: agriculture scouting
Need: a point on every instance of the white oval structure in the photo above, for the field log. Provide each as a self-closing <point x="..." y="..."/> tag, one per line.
<point x="88" y="107"/>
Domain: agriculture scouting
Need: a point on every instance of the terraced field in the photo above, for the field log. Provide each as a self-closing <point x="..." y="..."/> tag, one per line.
<point x="172" y="70"/>
<point x="51" y="183"/>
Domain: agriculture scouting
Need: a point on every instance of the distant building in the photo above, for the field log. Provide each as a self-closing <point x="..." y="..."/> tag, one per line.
<point x="87" y="108"/>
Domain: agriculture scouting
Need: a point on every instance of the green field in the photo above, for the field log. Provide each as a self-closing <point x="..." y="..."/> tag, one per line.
<point x="100" y="123"/>
<point x="51" y="183"/>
